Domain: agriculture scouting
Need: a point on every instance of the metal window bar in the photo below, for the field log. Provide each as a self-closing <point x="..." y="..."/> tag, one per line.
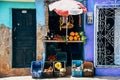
<point x="104" y="57"/>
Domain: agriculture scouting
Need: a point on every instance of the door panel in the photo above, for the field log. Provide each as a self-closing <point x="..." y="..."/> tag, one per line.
<point x="29" y="54"/>
<point x="20" y="57"/>
<point x="24" y="37"/>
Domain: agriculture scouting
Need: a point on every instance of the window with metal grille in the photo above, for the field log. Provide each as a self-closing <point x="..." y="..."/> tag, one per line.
<point x="107" y="35"/>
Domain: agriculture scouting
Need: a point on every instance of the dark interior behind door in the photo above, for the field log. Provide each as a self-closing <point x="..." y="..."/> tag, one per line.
<point x="23" y="37"/>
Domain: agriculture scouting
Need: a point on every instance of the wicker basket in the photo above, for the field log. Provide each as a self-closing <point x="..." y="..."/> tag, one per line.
<point x="88" y="69"/>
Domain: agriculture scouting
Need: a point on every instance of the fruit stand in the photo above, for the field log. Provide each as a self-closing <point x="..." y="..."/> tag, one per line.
<point x="65" y="39"/>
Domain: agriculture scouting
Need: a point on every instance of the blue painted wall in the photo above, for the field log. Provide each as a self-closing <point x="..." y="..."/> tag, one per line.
<point x="89" y="47"/>
<point x="89" y="31"/>
<point x="6" y="10"/>
<point x="40" y="8"/>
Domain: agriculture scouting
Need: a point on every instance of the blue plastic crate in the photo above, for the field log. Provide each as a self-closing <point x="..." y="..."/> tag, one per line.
<point x="77" y="68"/>
<point x="36" y="69"/>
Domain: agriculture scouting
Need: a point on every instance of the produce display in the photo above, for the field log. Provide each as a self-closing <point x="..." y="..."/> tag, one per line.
<point x="52" y="58"/>
<point x="83" y="37"/>
<point x="60" y="69"/>
<point x="50" y="69"/>
<point x="88" y="69"/>
<point x="63" y="70"/>
<point x="77" y="36"/>
<point x="52" y="36"/>
<point x="57" y="37"/>
<point x="58" y="65"/>
<point x="74" y="36"/>
<point x="76" y="68"/>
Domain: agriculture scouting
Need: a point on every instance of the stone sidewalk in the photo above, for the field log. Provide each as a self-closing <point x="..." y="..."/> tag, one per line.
<point x="66" y="78"/>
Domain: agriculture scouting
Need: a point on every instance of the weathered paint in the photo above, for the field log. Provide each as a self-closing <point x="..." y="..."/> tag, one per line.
<point x="6" y="10"/>
<point x="6" y="58"/>
<point x="40" y="12"/>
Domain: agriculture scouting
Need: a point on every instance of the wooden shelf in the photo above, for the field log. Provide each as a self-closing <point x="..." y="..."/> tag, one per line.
<point x="75" y="41"/>
<point x="63" y="41"/>
<point x="54" y="41"/>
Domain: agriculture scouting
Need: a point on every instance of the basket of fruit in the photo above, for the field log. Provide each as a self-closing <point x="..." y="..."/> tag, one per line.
<point x="88" y="69"/>
<point x="74" y="36"/>
<point x="77" y="36"/>
<point x="48" y="69"/>
<point x="59" y="68"/>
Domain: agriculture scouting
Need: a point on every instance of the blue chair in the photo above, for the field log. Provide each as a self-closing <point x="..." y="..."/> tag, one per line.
<point x="77" y="68"/>
<point x="36" y="69"/>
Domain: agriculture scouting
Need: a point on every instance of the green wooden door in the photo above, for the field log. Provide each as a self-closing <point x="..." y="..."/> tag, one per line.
<point x="23" y="37"/>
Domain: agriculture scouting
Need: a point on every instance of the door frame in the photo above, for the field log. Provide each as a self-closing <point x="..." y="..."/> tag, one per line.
<point x="11" y="34"/>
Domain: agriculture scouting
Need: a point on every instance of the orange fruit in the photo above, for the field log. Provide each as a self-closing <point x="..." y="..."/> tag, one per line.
<point x="79" y="39"/>
<point x="70" y="38"/>
<point x="75" y="38"/>
<point x="72" y="34"/>
<point x="76" y="33"/>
